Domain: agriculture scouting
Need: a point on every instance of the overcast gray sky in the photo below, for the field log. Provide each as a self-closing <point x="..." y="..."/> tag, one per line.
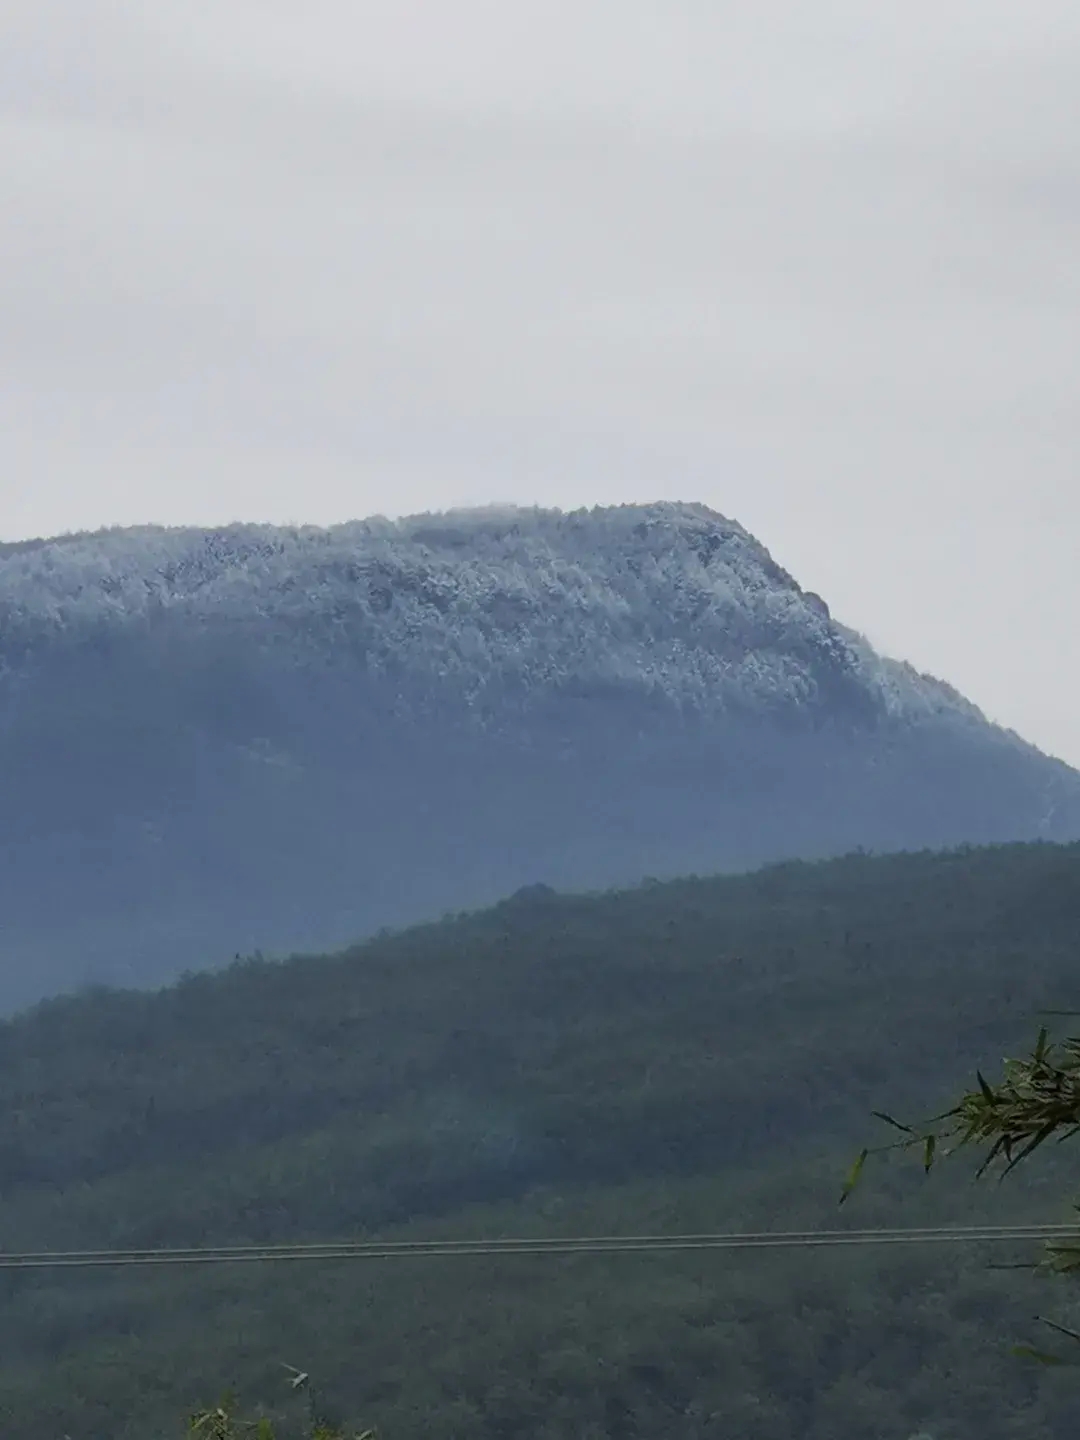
<point x="814" y="264"/>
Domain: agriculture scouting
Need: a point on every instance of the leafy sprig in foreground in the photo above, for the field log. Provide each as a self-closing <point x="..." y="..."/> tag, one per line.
<point x="1036" y="1100"/>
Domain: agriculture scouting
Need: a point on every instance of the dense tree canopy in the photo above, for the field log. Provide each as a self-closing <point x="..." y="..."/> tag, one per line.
<point x="692" y="1057"/>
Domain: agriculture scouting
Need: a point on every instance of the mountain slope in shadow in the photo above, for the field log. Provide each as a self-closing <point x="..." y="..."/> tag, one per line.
<point x="220" y="741"/>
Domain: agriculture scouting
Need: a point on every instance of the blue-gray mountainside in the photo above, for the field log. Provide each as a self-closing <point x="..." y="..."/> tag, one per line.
<point x="215" y="741"/>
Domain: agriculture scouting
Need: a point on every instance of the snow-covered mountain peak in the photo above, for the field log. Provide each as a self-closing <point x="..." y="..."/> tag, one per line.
<point x="673" y="601"/>
<point x="281" y="737"/>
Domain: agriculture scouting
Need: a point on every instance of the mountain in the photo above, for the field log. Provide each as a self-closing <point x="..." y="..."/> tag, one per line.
<point x="261" y="738"/>
<point x="692" y="1057"/>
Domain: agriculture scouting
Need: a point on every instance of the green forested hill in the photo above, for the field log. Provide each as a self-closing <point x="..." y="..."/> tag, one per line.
<point x="689" y="1056"/>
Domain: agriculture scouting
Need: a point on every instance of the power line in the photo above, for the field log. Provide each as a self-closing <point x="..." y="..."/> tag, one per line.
<point x="534" y="1246"/>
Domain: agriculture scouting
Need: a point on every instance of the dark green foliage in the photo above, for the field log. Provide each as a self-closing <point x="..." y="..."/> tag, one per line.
<point x="687" y="1057"/>
<point x="1036" y="1100"/>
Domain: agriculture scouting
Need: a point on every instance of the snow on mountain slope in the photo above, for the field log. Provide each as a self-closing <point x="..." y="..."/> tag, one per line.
<point x="672" y="600"/>
<point x="267" y="737"/>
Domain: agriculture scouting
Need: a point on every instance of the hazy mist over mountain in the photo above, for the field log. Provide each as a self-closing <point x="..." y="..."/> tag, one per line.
<point x="258" y="737"/>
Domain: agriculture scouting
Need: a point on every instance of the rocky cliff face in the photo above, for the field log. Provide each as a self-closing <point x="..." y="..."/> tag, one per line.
<point x="214" y="741"/>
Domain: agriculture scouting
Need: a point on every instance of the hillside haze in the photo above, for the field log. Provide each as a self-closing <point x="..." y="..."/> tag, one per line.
<point x="694" y="1057"/>
<point x="265" y="738"/>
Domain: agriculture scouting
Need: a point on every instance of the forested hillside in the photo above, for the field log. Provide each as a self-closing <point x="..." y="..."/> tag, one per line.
<point x="694" y="1056"/>
<point x="221" y="741"/>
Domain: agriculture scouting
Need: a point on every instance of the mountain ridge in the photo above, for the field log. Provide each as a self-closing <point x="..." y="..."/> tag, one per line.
<point x="277" y="738"/>
<point x="223" y="573"/>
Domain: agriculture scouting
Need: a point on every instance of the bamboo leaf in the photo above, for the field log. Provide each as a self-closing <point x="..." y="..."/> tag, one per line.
<point x="1036" y="1140"/>
<point x="881" y="1115"/>
<point x="1042" y="1357"/>
<point x="1061" y="1329"/>
<point x="1000" y="1144"/>
<point x="853" y="1175"/>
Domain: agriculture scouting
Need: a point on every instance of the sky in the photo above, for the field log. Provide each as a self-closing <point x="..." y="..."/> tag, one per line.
<point x="813" y="265"/>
